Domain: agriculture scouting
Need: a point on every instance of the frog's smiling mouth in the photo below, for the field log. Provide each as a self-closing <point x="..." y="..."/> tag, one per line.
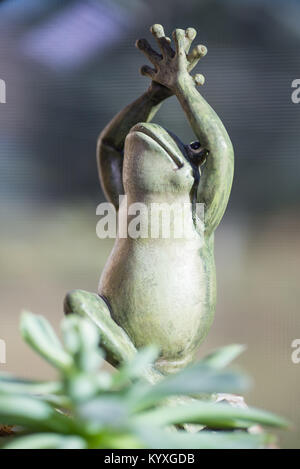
<point x="165" y="141"/>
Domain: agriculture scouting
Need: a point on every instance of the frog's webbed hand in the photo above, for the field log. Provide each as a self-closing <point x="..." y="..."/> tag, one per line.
<point x="111" y="140"/>
<point x="172" y="70"/>
<point x="170" y="64"/>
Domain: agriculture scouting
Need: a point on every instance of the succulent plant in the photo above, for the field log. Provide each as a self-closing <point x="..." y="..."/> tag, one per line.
<point x="90" y="407"/>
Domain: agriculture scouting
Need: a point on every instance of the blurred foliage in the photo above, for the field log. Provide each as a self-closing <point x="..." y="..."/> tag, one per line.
<point x="88" y="408"/>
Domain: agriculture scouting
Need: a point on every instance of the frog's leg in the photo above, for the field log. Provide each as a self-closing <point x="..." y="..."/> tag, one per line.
<point x="118" y="346"/>
<point x="111" y="140"/>
<point x="116" y="343"/>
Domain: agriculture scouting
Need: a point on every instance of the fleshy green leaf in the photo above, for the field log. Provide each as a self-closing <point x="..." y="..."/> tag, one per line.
<point x="81" y="340"/>
<point x="162" y="439"/>
<point x="82" y="387"/>
<point x="223" y="356"/>
<point x="11" y="384"/>
<point x="114" y="439"/>
<point x="106" y="410"/>
<point x="140" y="366"/>
<point x="32" y="413"/>
<point x="194" y="380"/>
<point x="38" y="333"/>
<point x="21" y="410"/>
<point x="210" y="415"/>
<point x="46" y="441"/>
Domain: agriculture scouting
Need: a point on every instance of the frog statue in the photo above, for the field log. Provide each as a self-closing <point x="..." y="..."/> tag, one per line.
<point x="156" y="290"/>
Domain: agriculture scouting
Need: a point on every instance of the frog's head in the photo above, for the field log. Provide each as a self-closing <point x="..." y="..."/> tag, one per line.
<point x="156" y="161"/>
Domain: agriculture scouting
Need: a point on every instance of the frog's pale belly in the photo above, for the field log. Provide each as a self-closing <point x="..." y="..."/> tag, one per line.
<point x="162" y="292"/>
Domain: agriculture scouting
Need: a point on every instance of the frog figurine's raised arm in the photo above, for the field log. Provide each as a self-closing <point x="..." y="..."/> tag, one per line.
<point x="156" y="290"/>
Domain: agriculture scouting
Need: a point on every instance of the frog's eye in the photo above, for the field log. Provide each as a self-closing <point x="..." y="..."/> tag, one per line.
<point x="197" y="153"/>
<point x="195" y="147"/>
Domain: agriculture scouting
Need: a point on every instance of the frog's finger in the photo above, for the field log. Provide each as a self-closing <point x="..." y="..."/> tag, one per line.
<point x="197" y="53"/>
<point x="147" y="71"/>
<point x="190" y="34"/>
<point x="179" y="40"/>
<point x="157" y="30"/>
<point x="163" y="42"/>
<point x="199" y="79"/>
<point x="144" y="46"/>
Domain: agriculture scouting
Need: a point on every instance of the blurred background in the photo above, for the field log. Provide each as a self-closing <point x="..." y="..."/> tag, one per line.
<point x="69" y="66"/>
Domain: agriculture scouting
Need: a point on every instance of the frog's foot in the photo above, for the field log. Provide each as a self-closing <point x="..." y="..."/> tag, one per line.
<point x="172" y="366"/>
<point x="114" y="340"/>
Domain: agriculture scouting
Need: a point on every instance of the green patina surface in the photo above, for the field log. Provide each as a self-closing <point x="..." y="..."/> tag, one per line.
<point x="162" y="291"/>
